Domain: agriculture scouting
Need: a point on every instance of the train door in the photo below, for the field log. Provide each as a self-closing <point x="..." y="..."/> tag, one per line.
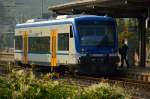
<point x="65" y="45"/>
<point x="71" y="46"/>
<point x="53" y="59"/>
<point x="62" y="46"/>
<point x="25" y="48"/>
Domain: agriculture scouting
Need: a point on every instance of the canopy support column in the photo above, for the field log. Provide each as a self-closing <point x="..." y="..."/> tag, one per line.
<point x="142" y="32"/>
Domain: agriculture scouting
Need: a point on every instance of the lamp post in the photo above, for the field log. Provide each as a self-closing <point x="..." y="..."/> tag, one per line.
<point x="42" y="9"/>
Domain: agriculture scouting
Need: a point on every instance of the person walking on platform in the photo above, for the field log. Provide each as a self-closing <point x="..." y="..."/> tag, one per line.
<point x="124" y="51"/>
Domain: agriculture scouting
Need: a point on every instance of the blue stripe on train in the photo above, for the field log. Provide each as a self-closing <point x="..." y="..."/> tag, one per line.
<point x="39" y="63"/>
<point x="45" y="53"/>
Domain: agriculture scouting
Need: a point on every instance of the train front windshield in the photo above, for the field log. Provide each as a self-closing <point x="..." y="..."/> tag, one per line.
<point x="96" y="33"/>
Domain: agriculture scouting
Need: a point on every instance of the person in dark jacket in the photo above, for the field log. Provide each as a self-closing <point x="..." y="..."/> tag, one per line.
<point x="124" y="51"/>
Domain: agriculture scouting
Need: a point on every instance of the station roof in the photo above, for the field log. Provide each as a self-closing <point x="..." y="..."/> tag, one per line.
<point x="115" y="8"/>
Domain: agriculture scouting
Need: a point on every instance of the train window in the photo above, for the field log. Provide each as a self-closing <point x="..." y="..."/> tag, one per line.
<point x="63" y="42"/>
<point x="39" y="44"/>
<point x="18" y="42"/>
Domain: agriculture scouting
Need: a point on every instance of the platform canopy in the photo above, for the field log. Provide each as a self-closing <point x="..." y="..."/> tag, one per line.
<point x="115" y="8"/>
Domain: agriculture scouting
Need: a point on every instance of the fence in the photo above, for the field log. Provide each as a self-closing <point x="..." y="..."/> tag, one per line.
<point x="6" y="41"/>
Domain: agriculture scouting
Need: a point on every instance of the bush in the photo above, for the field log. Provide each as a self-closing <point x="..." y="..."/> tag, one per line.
<point x="5" y="90"/>
<point x="24" y="85"/>
<point x="102" y="91"/>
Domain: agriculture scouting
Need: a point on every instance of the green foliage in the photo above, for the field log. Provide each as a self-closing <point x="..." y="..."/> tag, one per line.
<point x="102" y="91"/>
<point x="23" y="85"/>
<point x="127" y="29"/>
<point x="127" y="35"/>
<point x="5" y="90"/>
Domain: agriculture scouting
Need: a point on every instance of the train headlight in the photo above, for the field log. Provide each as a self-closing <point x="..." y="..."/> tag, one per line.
<point x="82" y="49"/>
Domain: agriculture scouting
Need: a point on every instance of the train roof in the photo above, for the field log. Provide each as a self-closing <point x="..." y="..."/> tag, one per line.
<point x="70" y="19"/>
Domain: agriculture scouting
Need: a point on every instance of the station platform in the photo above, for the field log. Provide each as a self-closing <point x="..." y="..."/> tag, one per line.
<point x="136" y="69"/>
<point x="136" y="73"/>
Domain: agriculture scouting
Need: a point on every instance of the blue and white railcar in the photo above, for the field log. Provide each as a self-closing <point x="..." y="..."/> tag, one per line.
<point x="88" y="42"/>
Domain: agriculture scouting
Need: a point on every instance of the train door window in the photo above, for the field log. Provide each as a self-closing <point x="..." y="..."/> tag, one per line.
<point x="63" y="41"/>
<point x="18" y="42"/>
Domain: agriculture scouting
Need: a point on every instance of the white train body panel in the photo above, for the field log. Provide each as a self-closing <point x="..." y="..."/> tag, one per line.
<point x="63" y="57"/>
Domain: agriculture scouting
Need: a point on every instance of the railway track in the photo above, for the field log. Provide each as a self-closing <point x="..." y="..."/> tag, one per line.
<point x="113" y="80"/>
<point x="6" y="57"/>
